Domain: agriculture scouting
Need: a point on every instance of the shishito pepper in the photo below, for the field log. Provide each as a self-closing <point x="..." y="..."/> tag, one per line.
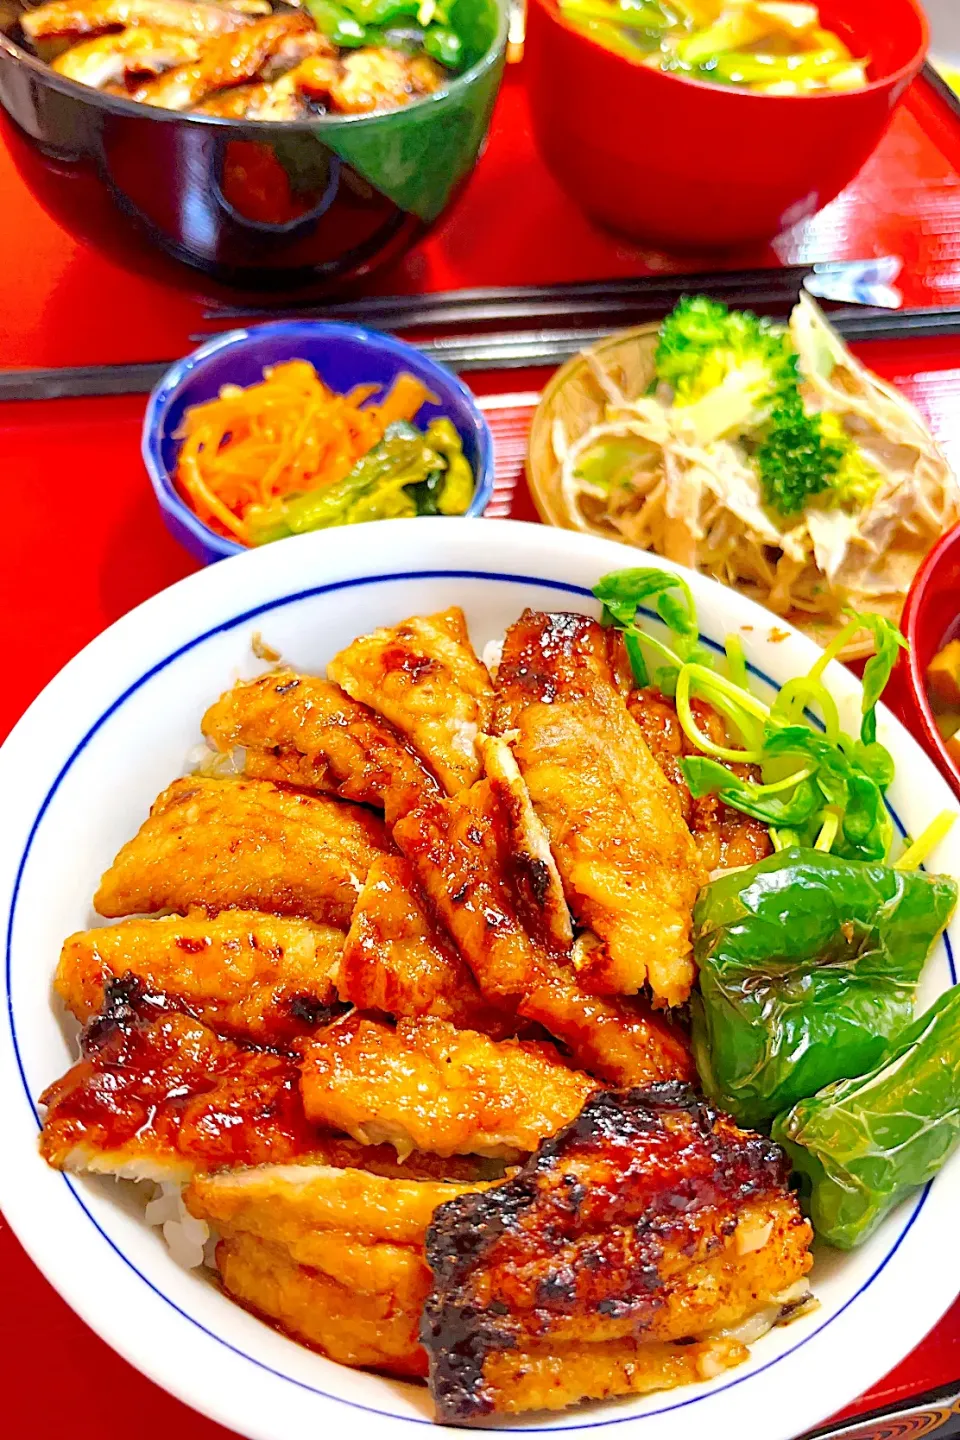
<point x="808" y="967"/>
<point x="862" y="1145"/>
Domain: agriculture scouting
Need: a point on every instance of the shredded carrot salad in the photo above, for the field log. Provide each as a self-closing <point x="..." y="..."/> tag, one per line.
<point x="286" y="435"/>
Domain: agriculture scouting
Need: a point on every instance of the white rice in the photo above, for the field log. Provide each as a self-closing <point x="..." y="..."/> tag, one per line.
<point x="492" y="655"/>
<point x="202" y="759"/>
<point x="189" y="1240"/>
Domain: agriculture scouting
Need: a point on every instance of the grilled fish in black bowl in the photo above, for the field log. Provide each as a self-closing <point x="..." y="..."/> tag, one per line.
<point x="268" y="145"/>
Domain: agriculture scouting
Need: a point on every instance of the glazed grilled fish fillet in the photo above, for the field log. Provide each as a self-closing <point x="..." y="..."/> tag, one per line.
<point x="495" y="894"/>
<point x="370" y="79"/>
<point x="629" y="865"/>
<point x="226" y="61"/>
<point x="159" y="1096"/>
<point x="553" y="1377"/>
<point x="363" y="1231"/>
<point x="373" y="1330"/>
<point x="109" y="59"/>
<point x="277" y="100"/>
<point x="257" y="977"/>
<point x="396" y="960"/>
<point x="650" y="1218"/>
<point x="619" y="1038"/>
<point x="224" y="842"/>
<point x="533" y="870"/>
<point x="482" y="862"/>
<point x="724" y="837"/>
<point x="425" y="1085"/>
<point x="293" y="1205"/>
<point x="273" y="1204"/>
<point x="306" y="732"/>
<point x="477" y="882"/>
<point x="352" y="84"/>
<point x="425" y="679"/>
<point x="93" y="17"/>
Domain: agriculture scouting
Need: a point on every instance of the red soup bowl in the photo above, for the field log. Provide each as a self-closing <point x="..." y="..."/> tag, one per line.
<point x="682" y="163"/>
<point x="932" y="608"/>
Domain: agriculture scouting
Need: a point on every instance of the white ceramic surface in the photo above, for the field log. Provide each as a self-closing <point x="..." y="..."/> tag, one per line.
<point x="944" y="17"/>
<point x="77" y="776"/>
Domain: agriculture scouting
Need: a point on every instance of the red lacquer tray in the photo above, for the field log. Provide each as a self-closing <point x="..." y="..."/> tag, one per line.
<point x="81" y="542"/>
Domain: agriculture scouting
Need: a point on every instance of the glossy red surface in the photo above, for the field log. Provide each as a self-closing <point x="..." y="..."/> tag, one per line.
<point x="82" y="541"/>
<point x="931" y="610"/>
<point x="679" y="162"/>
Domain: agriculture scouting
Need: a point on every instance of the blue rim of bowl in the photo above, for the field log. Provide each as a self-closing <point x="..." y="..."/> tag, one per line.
<point x="162" y="395"/>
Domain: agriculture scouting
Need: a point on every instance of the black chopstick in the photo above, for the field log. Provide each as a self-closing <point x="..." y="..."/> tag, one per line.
<point x="81" y="381"/>
<point x="771" y="285"/>
<point x="625" y="309"/>
<point x="524" y="349"/>
<point x="938" y="321"/>
<point x="945" y="92"/>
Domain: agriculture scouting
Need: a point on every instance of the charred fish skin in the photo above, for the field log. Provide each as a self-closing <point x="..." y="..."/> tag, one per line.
<point x="582" y="1231"/>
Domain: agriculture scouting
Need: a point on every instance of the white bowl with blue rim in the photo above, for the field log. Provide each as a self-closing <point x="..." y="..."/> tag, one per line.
<point x="78" y="775"/>
<point x="344" y="356"/>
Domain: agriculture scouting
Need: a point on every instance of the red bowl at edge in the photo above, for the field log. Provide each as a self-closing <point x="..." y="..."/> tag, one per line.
<point x="678" y="162"/>
<point x="932" y="606"/>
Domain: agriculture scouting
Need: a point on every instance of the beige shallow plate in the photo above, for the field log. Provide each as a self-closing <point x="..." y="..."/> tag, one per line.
<point x="575" y="400"/>
<point x="575" y="397"/>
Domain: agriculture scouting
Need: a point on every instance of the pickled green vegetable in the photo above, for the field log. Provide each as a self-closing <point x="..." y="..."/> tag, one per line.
<point x="861" y="1145"/>
<point x="456" y="489"/>
<point x="426" y="495"/>
<point x="808" y="967"/>
<point x="408" y="473"/>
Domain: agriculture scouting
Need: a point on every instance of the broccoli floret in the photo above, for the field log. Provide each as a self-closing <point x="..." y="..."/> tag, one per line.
<point x="856" y="480"/>
<point x="796" y="459"/>
<point x="737" y="375"/>
<point x="728" y="369"/>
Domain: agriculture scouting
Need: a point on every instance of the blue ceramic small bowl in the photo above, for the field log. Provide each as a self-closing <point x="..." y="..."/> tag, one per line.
<point x="344" y="355"/>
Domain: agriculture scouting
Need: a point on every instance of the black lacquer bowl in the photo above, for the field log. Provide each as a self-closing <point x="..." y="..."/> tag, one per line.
<point x="310" y="204"/>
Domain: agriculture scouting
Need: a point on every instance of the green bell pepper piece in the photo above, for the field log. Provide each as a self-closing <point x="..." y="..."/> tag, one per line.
<point x="862" y="1145"/>
<point x="808" y="967"/>
<point x="337" y="23"/>
<point x="381" y="12"/>
<point x="406" y="38"/>
<point x="444" y="45"/>
<point x="385" y="12"/>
